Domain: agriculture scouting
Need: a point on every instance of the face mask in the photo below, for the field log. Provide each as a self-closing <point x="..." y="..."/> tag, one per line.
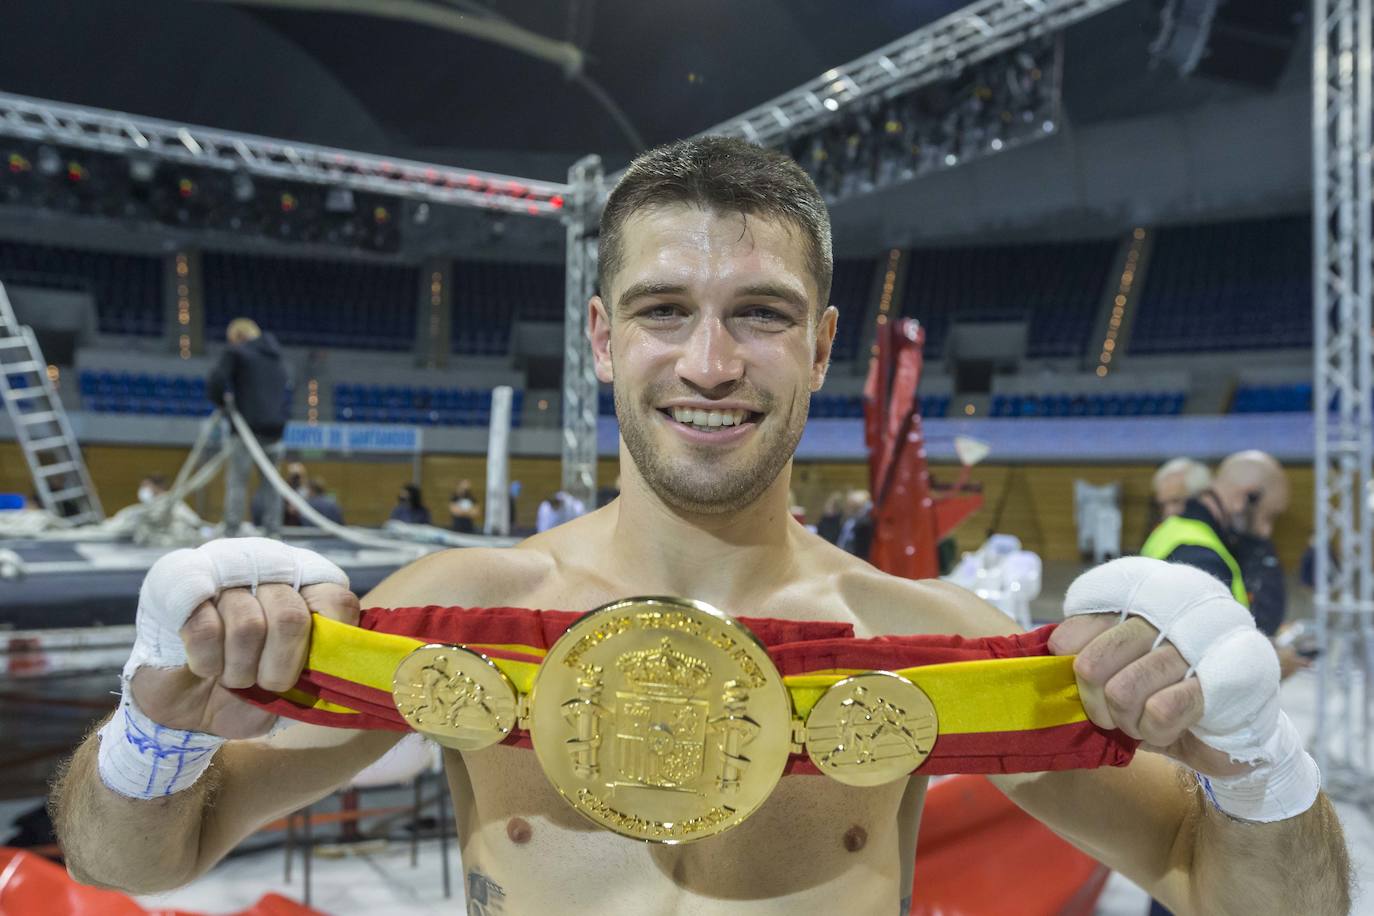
<point x="146" y="494"/>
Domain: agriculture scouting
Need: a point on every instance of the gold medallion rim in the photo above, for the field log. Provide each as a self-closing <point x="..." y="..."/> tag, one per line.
<point x="496" y="734"/>
<point x="887" y="774"/>
<point x="773" y="683"/>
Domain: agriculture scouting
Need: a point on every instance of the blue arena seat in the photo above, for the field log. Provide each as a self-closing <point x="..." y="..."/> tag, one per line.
<point x="1056" y="287"/>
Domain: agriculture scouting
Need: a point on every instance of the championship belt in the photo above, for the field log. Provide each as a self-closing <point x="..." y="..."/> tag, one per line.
<point x="665" y="720"/>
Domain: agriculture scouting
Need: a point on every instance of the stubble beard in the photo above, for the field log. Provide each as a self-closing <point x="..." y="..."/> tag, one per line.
<point x="701" y="483"/>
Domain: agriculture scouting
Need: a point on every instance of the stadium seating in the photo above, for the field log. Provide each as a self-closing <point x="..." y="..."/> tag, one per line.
<point x="488" y="296"/>
<point x="127" y="288"/>
<point x="851" y="291"/>
<point x="1112" y="404"/>
<point x="349" y="304"/>
<point x="1056" y="287"/>
<point x="1293" y="398"/>
<point x="418" y="405"/>
<point x="1243" y="285"/>
<point x="141" y="393"/>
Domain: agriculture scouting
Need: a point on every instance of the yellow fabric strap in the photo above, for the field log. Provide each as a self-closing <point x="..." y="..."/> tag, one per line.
<point x="988" y="695"/>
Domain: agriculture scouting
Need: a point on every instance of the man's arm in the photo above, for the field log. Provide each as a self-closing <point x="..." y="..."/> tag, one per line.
<point x="149" y="845"/>
<point x="1149" y="820"/>
<point x="221" y="378"/>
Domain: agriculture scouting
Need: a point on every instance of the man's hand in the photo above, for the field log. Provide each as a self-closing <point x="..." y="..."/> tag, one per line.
<point x="1126" y="682"/>
<point x="230" y="614"/>
<point x="238" y="640"/>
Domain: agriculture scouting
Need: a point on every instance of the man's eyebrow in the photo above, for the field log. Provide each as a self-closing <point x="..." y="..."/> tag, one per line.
<point x="780" y="291"/>
<point x="649" y="288"/>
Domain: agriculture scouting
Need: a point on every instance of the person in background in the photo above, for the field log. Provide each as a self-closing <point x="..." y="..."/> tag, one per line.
<point x="856" y="532"/>
<point x="151" y="487"/>
<point x="557" y="509"/>
<point x="298" y="479"/>
<point x="1177" y="481"/>
<point x="462" y="508"/>
<point x="323" y="502"/>
<point x="410" y="507"/>
<point x="828" y="525"/>
<point x="252" y="374"/>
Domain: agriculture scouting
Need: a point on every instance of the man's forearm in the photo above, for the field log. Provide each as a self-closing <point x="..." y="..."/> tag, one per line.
<point x="1298" y="865"/>
<point x="135" y="845"/>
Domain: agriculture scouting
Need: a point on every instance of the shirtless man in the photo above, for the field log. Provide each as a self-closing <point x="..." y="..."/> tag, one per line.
<point x="715" y="268"/>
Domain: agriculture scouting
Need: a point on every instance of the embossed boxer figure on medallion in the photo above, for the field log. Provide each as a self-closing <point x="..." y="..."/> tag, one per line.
<point x="714" y="328"/>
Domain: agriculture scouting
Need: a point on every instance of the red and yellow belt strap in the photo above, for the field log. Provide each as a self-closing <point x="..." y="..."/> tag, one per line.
<point x="1005" y="704"/>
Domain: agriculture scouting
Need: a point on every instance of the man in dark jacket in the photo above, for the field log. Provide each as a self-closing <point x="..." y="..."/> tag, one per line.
<point x="254" y="373"/>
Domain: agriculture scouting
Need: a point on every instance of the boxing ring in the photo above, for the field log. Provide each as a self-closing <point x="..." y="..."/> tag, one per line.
<point x="905" y="540"/>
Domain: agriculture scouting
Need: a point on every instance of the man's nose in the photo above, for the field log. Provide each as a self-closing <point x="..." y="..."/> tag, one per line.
<point x="710" y="357"/>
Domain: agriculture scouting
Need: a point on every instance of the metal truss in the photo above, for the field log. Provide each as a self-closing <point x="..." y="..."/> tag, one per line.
<point x="935" y="52"/>
<point x="1343" y="374"/>
<point x="580" y="387"/>
<point x="139" y="137"/>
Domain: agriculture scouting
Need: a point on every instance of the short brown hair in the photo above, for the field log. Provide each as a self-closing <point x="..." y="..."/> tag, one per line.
<point x="724" y="175"/>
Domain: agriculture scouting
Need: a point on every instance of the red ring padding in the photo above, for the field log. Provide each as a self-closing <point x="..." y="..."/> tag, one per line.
<point x="980" y="855"/>
<point x="31" y="885"/>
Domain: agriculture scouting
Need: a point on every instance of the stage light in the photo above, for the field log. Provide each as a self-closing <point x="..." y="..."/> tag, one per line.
<point x="186" y="188"/>
<point x="142" y="170"/>
<point x="243" y="188"/>
<point x="19" y="164"/>
<point x="831" y="104"/>
<point x="288" y="202"/>
<point x="49" y="161"/>
<point x="338" y="200"/>
<point x="381" y="215"/>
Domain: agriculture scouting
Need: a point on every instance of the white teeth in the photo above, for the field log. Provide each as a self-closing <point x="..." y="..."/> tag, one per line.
<point x="709" y="419"/>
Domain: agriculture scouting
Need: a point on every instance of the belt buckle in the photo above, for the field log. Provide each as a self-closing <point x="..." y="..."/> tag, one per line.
<point x="456" y="696"/>
<point x="661" y="719"/>
<point x="871" y="728"/>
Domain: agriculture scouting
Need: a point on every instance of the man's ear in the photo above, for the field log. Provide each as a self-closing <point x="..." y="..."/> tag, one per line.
<point x="599" y="330"/>
<point x="825" y="340"/>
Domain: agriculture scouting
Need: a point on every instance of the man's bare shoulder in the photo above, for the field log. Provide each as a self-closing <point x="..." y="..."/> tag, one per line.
<point x="892" y="605"/>
<point x="465" y="576"/>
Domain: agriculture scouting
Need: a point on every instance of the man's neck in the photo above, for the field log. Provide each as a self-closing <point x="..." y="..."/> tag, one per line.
<point x="723" y="559"/>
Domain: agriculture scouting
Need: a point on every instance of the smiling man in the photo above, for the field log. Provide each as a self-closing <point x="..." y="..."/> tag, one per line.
<point x="714" y="329"/>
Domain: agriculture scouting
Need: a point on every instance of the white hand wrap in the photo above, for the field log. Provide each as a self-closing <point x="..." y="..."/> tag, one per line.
<point x="138" y="757"/>
<point x="1236" y="668"/>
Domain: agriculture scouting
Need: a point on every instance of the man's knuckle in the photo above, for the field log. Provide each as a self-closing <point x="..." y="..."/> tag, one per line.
<point x="1089" y="668"/>
<point x="291" y="621"/>
<point x="1121" y="692"/>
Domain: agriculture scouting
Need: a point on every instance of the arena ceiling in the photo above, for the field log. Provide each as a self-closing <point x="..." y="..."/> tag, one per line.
<point x="658" y="69"/>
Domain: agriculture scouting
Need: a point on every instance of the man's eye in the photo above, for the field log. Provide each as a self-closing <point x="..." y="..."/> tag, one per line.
<point x="660" y="312"/>
<point x="763" y="313"/>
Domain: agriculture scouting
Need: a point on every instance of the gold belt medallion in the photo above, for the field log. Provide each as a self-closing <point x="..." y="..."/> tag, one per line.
<point x="455" y="696"/>
<point x="871" y="728"/>
<point x="661" y="719"/>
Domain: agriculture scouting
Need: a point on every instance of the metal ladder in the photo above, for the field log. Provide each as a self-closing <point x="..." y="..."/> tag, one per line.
<point x="60" y="478"/>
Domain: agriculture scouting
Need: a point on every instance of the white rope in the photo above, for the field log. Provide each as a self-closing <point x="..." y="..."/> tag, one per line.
<point x="352" y="535"/>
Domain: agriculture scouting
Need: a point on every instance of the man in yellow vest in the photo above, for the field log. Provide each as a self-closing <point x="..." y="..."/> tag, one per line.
<point x="1227" y="529"/>
<point x="1207" y="526"/>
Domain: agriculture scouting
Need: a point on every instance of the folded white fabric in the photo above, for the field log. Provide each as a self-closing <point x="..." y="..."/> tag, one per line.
<point x="1236" y="668"/>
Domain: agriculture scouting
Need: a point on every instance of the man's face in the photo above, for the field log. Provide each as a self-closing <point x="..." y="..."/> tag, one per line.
<point x="713" y="339"/>
<point x="1171" y="495"/>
